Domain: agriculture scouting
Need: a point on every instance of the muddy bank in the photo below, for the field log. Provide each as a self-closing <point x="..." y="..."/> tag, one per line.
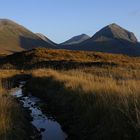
<point x="15" y="120"/>
<point x="83" y="116"/>
<point x="47" y="128"/>
<point x="66" y="108"/>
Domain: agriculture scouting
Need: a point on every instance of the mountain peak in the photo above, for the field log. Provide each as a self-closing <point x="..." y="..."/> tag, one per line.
<point x="113" y="31"/>
<point x="113" y="25"/>
<point x="6" y="21"/>
<point x="76" y="39"/>
<point x="83" y="35"/>
<point x="21" y="38"/>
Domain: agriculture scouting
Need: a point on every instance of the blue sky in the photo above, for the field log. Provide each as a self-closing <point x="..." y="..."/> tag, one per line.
<point x="62" y="19"/>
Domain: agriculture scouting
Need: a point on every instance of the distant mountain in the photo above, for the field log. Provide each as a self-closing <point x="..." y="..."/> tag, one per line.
<point x="114" y="31"/>
<point x="76" y="39"/>
<point x="15" y="38"/>
<point x="43" y="37"/>
<point x="111" y="39"/>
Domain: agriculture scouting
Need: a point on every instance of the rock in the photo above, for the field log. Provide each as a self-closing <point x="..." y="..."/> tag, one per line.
<point x="42" y="129"/>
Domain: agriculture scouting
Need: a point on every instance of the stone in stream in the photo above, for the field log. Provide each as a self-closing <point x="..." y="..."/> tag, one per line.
<point x="30" y="103"/>
<point x="42" y="129"/>
<point x="33" y="106"/>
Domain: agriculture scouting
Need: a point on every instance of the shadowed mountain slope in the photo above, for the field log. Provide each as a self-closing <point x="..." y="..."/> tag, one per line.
<point x="111" y="39"/>
<point x="76" y="39"/>
<point x="114" y="31"/>
<point x="43" y="37"/>
<point x="15" y="38"/>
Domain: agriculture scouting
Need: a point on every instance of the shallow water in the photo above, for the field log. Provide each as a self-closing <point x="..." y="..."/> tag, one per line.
<point x="50" y="129"/>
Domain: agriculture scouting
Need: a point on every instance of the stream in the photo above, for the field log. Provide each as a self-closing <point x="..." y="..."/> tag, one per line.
<point x="49" y="128"/>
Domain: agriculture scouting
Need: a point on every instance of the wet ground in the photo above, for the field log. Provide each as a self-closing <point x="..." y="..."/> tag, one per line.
<point x="49" y="128"/>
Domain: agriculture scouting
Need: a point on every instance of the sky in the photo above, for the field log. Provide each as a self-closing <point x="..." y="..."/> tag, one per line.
<point x="60" y="20"/>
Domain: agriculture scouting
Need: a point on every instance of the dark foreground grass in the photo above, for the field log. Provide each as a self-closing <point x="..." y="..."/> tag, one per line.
<point x="90" y="106"/>
<point x="14" y="120"/>
<point x="100" y="100"/>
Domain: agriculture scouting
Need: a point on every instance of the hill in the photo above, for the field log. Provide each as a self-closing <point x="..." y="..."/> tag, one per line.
<point x="65" y="59"/>
<point x="15" y="38"/>
<point x="111" y="39"/>
<point x="114" y="31"/>
<point x="76" y="39"/>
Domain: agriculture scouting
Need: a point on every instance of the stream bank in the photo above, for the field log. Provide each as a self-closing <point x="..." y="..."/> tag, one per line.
<point x="49" y="128"/>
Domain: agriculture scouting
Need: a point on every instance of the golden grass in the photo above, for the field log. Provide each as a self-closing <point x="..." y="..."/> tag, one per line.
<point x="12" y="118"/>
<point x="88" y="82"/>
<point x="42" y="57"/>
<point x="94" y="99"/>
<point x="6" y="74"/>
<point x="100" y="98"/>
<point x="8" y="110"/>
<point x="5" y="110"/>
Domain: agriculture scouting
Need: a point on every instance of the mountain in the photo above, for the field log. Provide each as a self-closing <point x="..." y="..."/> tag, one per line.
<point x="76" y="39"/>
<point x="111" y="39"/>
<point x="114" y="31"/>
<point x="43" y="37"/>
<point x="15" y="38"/>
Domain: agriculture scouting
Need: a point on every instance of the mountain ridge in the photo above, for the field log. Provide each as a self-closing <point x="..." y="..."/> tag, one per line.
<point x="43" y="37"/>
<point x="110" y="39"/>
<point x="15" y="38"/>
<point x="76" y="39"/>
<point x="115" y="31"/>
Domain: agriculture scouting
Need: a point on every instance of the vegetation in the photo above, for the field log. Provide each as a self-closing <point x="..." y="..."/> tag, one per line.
<point x="91" y="105"/>
<point x="93" y="95"/>
<point x="14" y="121"/>
<point x="64" y="59"/>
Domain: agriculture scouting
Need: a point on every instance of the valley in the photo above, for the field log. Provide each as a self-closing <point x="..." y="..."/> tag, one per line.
<point x="82" y="89"/>
<point x="86" y="92"/>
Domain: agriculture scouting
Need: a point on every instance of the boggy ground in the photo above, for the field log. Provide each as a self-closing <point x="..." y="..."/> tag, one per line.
<point x="91" y="103"/>
<point x="92" y="95"/>
<point x="65" y="59"/>
<point x="14" y="120"/>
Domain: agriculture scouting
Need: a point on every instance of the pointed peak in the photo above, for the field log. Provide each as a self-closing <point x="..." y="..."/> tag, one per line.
<point x="76" y="39"/>
<point x="114" y="31"/>
<point x="114" y="25"/>
<point x="83" y="35"/>
<point x="6" y="21"/>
